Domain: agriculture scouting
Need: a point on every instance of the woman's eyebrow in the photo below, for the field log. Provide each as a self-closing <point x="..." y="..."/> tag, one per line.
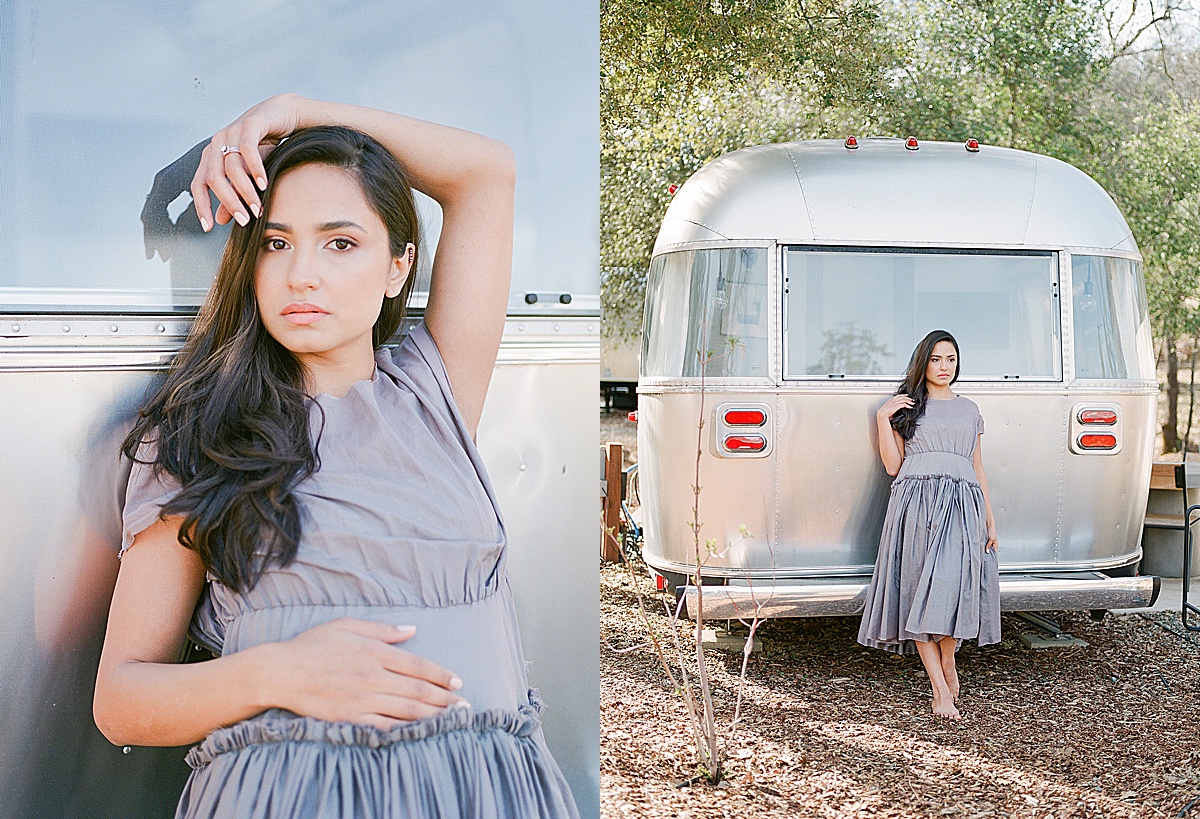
<point x="339" y="225"/>
<point x="322" y="228"/>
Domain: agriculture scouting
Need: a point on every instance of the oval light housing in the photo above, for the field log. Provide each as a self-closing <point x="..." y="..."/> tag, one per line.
<point x="745" y="417"/>
<point x="745" y="443"/>
<point x="1097" y="440"/>
<point x="1107" y="417"/>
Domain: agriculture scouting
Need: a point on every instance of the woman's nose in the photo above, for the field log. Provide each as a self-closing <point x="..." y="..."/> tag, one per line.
<point x="302" y="273"/>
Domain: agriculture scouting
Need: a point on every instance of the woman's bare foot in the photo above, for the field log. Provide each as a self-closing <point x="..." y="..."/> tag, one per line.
<point x="944" y="707"/>
<point x="931" y="659"/>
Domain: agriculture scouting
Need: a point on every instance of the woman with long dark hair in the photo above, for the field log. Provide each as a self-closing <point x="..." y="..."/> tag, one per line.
<point x="936" y="579"/>
<point x="312" y="507"/>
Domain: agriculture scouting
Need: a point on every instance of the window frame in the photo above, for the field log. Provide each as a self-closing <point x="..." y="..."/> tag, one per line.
<point x="770" y="276"/>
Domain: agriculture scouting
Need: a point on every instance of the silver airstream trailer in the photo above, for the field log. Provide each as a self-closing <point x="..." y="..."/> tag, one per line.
<point x="97" y="100"/>
<point x="792" y="281"/>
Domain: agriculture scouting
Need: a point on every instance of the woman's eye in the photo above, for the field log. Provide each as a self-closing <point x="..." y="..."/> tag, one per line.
<point x="342" y="244"/>
<point x="276" y="243"/>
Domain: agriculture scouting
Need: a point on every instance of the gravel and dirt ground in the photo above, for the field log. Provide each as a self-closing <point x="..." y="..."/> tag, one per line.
<point x="831" y="729"/>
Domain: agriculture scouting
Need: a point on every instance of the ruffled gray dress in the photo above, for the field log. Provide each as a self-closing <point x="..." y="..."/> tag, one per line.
<point x="401" y="526"/>
<point x="932" y="576"/>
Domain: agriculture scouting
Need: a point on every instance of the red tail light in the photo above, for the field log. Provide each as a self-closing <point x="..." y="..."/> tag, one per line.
<point x="745" y="417"/>
<point x="745" y="443"/>
<point x="911" y="144"/>
<point x="672" y="188"/>
<point x="1097" y="440"/>
<point x="851" y="142"/>
<point x="1107" y="417"/>
<point x="633" y="416"/>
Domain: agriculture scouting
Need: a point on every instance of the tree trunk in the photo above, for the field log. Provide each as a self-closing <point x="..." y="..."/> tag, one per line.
<point x="1171" y="427"/>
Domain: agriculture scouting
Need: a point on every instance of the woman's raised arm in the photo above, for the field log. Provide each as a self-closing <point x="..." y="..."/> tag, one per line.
<point x="471" y="176"/>
<point x="346" y="670"/>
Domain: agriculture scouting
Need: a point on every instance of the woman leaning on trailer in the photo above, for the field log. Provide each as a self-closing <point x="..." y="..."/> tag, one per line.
<point x="308" y="502"/>
<point x="936" y="580"/>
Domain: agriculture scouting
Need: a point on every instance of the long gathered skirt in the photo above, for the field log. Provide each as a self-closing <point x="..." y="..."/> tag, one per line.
<point x="932" y="577"/>
<point x="456" y="765"/>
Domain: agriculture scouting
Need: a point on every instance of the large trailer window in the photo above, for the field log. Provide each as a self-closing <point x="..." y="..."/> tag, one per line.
<point x="707" y="308"/>
<point x="1112" y="326"/>
<point x="858" y="313"/>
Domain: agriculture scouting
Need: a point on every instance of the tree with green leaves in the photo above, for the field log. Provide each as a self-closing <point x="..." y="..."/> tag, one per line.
<point x="684" y="81"/>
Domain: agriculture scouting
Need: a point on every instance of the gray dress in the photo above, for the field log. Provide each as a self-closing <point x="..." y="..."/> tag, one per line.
<point x="932" y="577"/>
<point x="401" y="526"/>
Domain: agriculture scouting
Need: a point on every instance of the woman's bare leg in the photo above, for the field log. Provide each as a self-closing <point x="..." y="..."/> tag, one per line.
<point x="943" y="699"/>
<point x="946" y="646"/>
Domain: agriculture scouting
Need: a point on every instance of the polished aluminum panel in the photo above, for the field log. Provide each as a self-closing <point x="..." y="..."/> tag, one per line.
<point x="938" y="196"/>
<point x="1105" y="496"/>
<point x="538" y="438"/>
<point x="736" y="494"/>
<point x="815" y="506"/>
<point x="831" y="598"/>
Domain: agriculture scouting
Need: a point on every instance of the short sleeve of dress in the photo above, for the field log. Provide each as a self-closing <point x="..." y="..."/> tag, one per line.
<point x="418" y="360"/>
<point x="145" y="496"/>
<point x="978" y="422"/>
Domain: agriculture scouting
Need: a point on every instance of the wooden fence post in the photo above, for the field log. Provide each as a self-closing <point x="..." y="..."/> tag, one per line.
<point x="613" y="470"/>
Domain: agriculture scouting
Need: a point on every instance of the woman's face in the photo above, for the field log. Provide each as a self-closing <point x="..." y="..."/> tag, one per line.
<point x="943" y="364"/>
<point x="325" y="266"/>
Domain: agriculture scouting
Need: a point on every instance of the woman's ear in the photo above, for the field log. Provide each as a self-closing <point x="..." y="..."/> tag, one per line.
<point x="400" y="270"/>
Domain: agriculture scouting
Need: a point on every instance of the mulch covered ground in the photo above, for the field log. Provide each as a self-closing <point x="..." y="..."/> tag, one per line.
<point x="831" y="729"/>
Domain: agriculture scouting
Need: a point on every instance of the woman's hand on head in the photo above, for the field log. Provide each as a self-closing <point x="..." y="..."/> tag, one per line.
<point x="893" y="405"/>
<point x="350" y="670"/>
<point x="236" y="177"/>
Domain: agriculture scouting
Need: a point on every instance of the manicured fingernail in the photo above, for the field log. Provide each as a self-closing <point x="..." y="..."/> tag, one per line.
<point x="455" y="683"/>
<point x="254" y="209"/>
<point x="242" y="218"/>
<point x="463" y="704"/>
<point x="262" y="183"/>
<point x="205" y="225"/>
<point x="406" y="629"/>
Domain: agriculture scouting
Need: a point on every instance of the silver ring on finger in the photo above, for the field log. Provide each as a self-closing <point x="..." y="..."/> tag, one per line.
<point x="226" y="150"/>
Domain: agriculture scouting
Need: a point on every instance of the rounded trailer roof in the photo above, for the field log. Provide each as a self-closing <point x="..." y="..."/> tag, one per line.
<point x="883" y="194"/>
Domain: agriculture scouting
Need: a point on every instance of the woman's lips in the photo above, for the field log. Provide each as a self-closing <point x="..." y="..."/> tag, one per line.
<point x="303" y="313"/>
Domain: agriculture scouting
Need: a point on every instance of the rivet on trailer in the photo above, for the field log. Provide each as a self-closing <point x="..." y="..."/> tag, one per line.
<point x="810" y="270"/>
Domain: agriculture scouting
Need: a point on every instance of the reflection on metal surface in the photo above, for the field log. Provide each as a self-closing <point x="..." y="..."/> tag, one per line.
<point x="56" y="343"/>
<point x="63" y="487"/>
<point x="818" y="192"/>
<point x="826" y="598"/>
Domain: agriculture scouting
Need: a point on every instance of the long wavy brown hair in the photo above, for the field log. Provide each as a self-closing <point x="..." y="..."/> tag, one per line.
<point x="905" y="420"/>
<point x="230" y="422"/>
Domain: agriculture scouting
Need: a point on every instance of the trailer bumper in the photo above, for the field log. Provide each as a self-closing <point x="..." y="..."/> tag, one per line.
<point x="837" y="597"/>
